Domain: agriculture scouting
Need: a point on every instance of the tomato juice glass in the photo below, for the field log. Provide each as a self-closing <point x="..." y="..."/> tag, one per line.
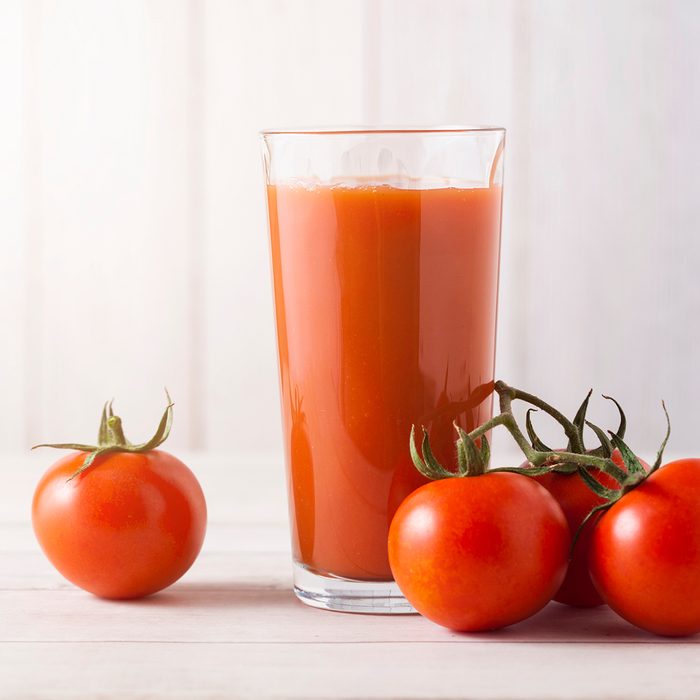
<point x="385" y="253"/>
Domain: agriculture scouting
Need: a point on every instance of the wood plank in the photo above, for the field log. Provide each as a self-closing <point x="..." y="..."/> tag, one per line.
<point x="267" y="63"/>
<point x="208" y="609"/>
<point x="445" y="63"/>
<point x="111" y="314"/>
<point x="15" y="78"/>
<point x="606" y="172"/>
<point x="232" y="595"/>
<point x="389" y="670"/>
<point x="601" y="101"/>
<point x="264" y="567"/>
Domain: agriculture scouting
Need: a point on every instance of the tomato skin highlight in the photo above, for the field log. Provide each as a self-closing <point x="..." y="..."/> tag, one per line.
<point x="645" y="552"/>
<point x="479" y="553"/>
<point x="127" y="527"/>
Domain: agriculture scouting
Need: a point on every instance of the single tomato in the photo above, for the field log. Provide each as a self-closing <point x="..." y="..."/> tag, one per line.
<point x="479" y="552"/>
<point x="577" y="500"/>
<point x="644" y="554"/>
<point x="129" y="524"/>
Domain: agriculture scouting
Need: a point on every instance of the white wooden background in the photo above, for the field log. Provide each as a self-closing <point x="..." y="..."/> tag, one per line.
<point x="133" y="249"/>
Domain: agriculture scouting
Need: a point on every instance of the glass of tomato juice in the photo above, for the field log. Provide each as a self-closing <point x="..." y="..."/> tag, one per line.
<point x="385" y="254"/>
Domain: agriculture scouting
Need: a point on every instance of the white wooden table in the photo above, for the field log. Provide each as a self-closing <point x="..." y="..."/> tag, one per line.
<point x="232" y="627"/>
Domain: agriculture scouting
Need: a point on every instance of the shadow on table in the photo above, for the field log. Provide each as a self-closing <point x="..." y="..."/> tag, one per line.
<point x="554" y="624"/>
<point x="217" y="595"/>
<point x="561" y="623"/>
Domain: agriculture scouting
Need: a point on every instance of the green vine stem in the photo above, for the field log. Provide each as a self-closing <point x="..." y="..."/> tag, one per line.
<point x="472" y="459"/>
<point x="473" y="450"/>
<point x="537" y="458"/>
<point x="111" y="438"/>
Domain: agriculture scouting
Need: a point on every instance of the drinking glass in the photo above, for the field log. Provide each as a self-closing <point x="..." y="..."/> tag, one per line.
<point x="385" y="254"/>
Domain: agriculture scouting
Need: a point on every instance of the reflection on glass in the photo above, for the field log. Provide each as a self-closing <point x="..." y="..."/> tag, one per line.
<point x="385" y="298"/>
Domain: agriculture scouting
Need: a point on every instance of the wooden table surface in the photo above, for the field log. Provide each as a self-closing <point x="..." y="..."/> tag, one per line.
<point x="232" y="627"/>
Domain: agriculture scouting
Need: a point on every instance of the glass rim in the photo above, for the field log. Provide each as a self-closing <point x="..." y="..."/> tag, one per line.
<point x="385" y="130"/>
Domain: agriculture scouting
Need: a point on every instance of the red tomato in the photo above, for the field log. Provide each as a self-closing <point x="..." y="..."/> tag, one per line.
<point x="645" y="552"/>
<point x="128" y="526"/>
<point x="577" y="501"/>
<point x="481" y="552"/>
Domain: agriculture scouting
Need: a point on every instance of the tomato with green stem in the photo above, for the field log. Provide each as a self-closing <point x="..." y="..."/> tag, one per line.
<point x="577" y="500"/>
<point x="120" y="520"/>
<point x="643" y="536"/>
<point x="477" y="551"/>
<point x="644" y="555"/>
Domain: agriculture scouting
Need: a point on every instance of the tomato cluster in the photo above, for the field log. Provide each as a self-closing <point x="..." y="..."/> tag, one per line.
<point x="477" y="550"/>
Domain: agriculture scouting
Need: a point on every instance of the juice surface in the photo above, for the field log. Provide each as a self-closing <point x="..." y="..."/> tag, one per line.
<point x="386" y="317"/>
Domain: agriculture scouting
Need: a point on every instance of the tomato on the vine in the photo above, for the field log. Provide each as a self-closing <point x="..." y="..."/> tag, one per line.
<point x="577" y="500"/>
<point x="479" y="552"/>
<point x="644" y="554"/>
<point x="120" y="520"/>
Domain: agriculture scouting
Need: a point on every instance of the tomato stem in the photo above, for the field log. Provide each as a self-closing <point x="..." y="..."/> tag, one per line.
<point x="116" y="431"/>
<point x="472" y="460"/>
<point x="111" y="438"/>
<point x="508" y="394"/>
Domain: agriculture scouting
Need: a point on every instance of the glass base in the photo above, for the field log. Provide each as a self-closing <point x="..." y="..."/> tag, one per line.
<point x="347" y="595"/>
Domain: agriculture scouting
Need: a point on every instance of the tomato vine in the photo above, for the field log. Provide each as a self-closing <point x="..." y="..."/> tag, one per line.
<point x="473" y="450"/>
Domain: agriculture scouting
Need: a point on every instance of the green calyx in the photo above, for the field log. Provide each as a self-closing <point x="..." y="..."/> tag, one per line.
<point x="111" y="438"/>
<point x="627" y="479"/>
<point x="472" y="458"/>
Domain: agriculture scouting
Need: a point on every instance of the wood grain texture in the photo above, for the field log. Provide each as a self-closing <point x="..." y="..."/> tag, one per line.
<point x="133" y="248"/>
<point x="611" y="94"/>
<point x="600" y="102"/>
<point x="231" y="627"/>
<point x="249" y="599"/>
<point x="346" y="670"/>
<point x="268" y="64"/>
<point x="109" y="306"/>
<point x="13" y="225"/>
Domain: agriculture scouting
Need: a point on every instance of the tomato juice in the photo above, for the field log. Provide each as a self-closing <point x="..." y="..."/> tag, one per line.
<point x="385" y="301"/>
